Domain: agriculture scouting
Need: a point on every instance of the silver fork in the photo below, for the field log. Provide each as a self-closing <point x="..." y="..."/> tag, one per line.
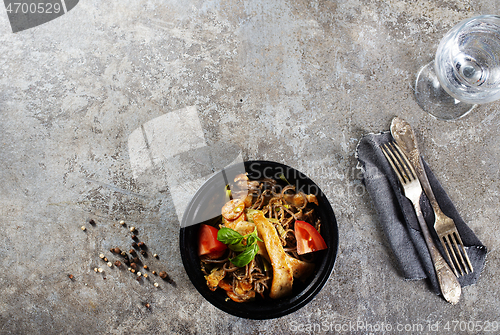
<point x="444" y="226"/>
<point x="448" y="282"/>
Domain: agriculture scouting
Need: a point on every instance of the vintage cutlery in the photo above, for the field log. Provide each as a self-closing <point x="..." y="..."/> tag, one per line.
<point x="444" y="225"/>
<point x="448" y="282"/>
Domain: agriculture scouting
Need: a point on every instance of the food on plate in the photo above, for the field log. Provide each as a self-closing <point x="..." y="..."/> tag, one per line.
<point x="264" y="240"/>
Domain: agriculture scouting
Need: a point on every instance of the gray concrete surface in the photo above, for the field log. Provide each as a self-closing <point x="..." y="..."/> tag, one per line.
<point x="296" y="82"/>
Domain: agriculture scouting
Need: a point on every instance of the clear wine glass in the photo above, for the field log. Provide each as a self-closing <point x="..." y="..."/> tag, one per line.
<point x="465" y="71"/>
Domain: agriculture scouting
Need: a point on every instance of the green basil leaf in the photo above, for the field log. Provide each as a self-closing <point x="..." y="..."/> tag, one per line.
<point x="229" y="236"/>
<point x="246" y="256"/>
<point x="252" y="237"/>
<point x="238" y="247"/>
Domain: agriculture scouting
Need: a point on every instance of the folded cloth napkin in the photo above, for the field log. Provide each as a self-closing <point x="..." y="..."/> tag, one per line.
<point x="399" y="221"/>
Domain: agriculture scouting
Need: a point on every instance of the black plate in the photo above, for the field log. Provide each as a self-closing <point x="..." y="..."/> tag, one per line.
<point x="208" y="202"/>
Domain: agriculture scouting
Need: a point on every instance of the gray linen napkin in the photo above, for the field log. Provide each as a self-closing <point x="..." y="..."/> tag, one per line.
<point x="399" y="221"/>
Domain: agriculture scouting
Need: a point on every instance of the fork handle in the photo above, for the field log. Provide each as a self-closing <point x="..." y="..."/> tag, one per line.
<point x="448" y="282"/>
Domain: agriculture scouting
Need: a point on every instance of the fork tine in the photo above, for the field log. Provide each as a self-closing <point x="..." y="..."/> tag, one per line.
<point x="390" y="158"/>
<point x="407" y="166"/>
<point x="397" y="163"/>
<point x="445" y="242"/>
<point x="457" y="235"/>
<point x="461" y="264"/>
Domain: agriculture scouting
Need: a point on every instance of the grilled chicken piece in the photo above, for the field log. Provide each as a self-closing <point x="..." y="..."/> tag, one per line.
<point x="282" y="273"/>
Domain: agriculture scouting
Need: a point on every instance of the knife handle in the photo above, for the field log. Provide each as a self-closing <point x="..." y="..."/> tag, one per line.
<point x="448" y="282"/>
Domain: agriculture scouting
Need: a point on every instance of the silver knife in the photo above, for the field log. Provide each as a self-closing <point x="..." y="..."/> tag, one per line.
<point x="404" y="136"/>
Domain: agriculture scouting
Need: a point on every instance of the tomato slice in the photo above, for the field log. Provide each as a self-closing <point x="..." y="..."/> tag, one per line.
<point x="308" y="238"/>
<point x="208" y="245"/>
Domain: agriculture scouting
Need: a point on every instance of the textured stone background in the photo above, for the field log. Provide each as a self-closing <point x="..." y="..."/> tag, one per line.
<point x="296" y="82"/>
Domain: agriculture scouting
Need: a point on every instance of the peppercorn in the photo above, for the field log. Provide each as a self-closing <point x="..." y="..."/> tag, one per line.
<point x="145" y="275"/>
<point x="118" y="263"/>
<point x="101" y="256"/>
<point x="138" y="278"/>
<point x="132" y="251"/>
<point x="83" y="228"/>
<point x="105" y="259"/>
<point x="134" y="237"/>
<point x="134" y="245"/>
<point x="147" y="305"/>
<point x="141" y="244"/>
<point x="163" y="275"/>
<point x="139" y="274"/>
<point x="133" y="271"/>
<point x="92" y="222"/>
<point x="133" y="266"/>
<point x="136" y="260"/>
<point x="122" y="222"/>
<point x="70" y="277"/>
<point x="132" y="229"/>
<point x="144" y="253"/>
<point x="155" y="255"/>
<point x="95" y="270"/>
<point x="124" y="254"/>
<point x="153" y="272"/>
<point x="117" y="250"/>
<point x="156" y="285"/>
<point x="145" y="266"/>
<point x="100" y="270"/>
<point x="110" y="264"/>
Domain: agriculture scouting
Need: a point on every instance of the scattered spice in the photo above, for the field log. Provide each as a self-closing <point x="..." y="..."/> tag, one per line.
<point x="132" y="251"/>
<point x="83" y="228"/>
<point x="134" y="237"/>
<point x="70" y="277"/>
<point x="145" y="275"/>
<point x="118" y="263"/>
<point x="144" y="253"/>
<point x="153" y="272"/>
<point x="117" y="250"/>
<point x="141" y="244"/>
<point x="147" y="305"/>
<point x="105" y="259"/>
<point x="155" y="255"/>
<point x="133" y="266"/>
<point x="122" y="222"/>
<point x="133" y="271"/>
<point x="92" y="222"/>
<point x="156" y="285"/>
<point x="145" y="266"/>
<point x="101" y="256"/>
<point x="100" y="270"/>
<point x="134" y="245"/>
<point x="110" y="264"/>
<point x="132" y="229"/>
<point x="163" y="275"/>
<point x="123" y="253"/>
<point x="95" y="270"/>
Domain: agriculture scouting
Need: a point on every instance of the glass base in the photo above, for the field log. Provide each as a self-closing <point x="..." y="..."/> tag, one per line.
<point x="433" y="99"/>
